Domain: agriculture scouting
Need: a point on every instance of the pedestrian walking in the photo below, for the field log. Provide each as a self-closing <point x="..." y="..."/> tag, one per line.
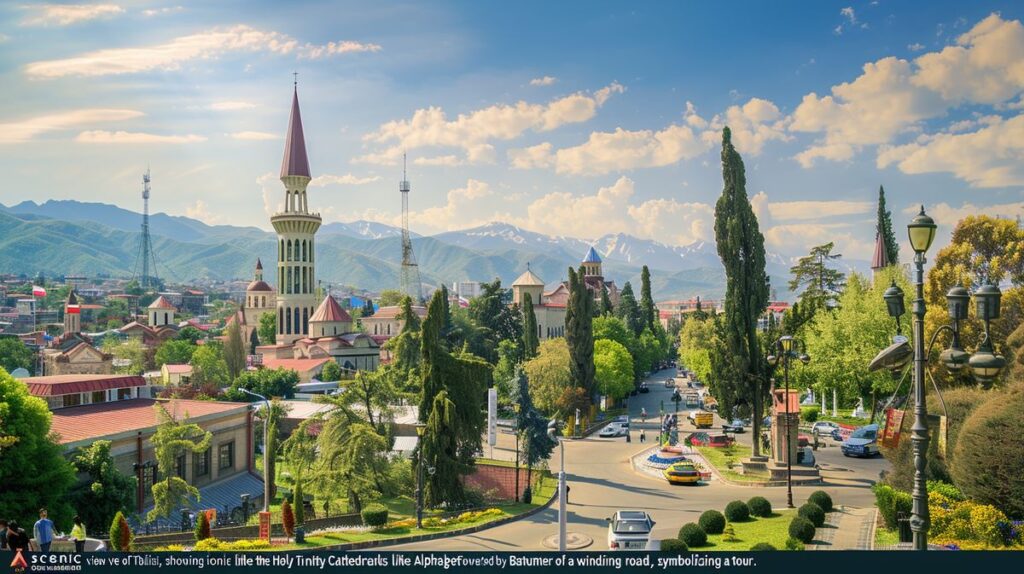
<point x="643" y="436"/>
<point x="78" y="534"/>
<point x="42" y="531"/>
<point x="643" y="415"/>
<point x="16" y="538"/>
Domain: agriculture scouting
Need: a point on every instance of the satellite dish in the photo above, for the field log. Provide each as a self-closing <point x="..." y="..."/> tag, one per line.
<point x="893" y="357"/>
<point x="20" y="373"/>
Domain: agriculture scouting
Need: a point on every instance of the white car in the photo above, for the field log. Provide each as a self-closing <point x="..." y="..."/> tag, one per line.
<point x="825" y="428"/>
<point x="614" y="429"/>
<point x="629" y="530"/>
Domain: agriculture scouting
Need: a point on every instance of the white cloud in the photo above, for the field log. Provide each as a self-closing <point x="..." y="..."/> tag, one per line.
<point x="199" y="210"/>
<point x="150" y="12"/>
<point x="26" y="129"/>
<point x="992" y="156"/>
<point x="439" y="160"/>
<point x="67" y="14"/>
<point x="915" y="47"/>
<point x="538" y="156"/>
<point x="228" y="106"/>
<point x="332" y="48"/>
<point x="849" y="14"/>
<point x="455" y="213"/>
<point x="947" y="215"/>
<point x="473" y="132"/>
<point x="796" y="226"/>
<point x="122" y="137"/>
<point x="543" y="81"/>
<point x="254" y="136"/>
<point x="347" y="179"/>
<point x="171" y="55"/>
<point x="606" y="152"/>
<point x="756" y="122"/>
<point x="790" y="210"/>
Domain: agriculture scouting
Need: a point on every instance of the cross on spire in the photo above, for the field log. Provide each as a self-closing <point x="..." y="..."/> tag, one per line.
<point x="296" y="76"/>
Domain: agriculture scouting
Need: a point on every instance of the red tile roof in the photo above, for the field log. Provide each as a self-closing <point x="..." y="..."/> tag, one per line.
<point x="179" y="369"/>
<point x="259" y="286"/>
<point x="91" y="422"/>
<point x="297" y="365"/>
<point x="161" y="303"/>
<point x="392" y="311"/>
<point x="56" y="385"/>
<point x="330" y="311"/>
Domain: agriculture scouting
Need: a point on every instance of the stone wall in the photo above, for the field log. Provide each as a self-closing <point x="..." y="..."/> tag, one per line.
<point x="499" y="481"/>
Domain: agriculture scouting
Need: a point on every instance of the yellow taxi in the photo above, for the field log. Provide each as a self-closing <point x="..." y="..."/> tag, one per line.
<point x="682" y="473"/>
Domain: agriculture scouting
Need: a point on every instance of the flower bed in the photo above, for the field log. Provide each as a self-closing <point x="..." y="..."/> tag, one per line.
<point x="660" y="462"/>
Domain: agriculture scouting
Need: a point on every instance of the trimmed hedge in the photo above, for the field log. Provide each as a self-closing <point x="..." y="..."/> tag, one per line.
<point x="762" y="547"/>
<point x="693" y="535"/>
<point x="794" y="544"/>
<point x="737" y="511"/>
<point x="375" y="515"/>
<point x="809" y="414"/>
<point x="822" y="499"/>
<point x="712" y="521"/>
<point x="801" y="529"/>
<point x="673" y="545"/>
<point x="812" y="512"/>
<point x="891" y="502"/>
<point x="759" y="506"/>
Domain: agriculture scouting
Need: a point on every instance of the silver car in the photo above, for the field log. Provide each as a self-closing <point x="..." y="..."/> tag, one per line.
<point x="629" y="530"/>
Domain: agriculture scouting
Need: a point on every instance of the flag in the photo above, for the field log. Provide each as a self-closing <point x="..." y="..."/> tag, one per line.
<point x="73" y="309"/>
<point x="38" y="291"/>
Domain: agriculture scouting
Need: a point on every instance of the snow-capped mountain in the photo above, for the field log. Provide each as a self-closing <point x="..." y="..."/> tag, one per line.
<point x="501" y="236"/>
<point x="363" y="229"/>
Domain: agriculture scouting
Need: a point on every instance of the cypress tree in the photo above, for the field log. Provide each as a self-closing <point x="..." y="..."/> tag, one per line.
<point x="579" y="332"/>
<point x="646" y="301"/>
<point x="530" y="340"/>
<point x="606" y="302"/>
<point x="629" y="310"/>
<point x="883" y="227"/>
<point x="741" y="248"/>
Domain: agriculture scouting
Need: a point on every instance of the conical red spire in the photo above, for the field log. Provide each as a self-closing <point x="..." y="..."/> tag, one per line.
<point x="295" y="161"/>
<point x="880" y="260"/>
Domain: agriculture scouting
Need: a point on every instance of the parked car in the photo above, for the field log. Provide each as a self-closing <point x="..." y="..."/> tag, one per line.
<point x="701" y="419"/>
<point x="670" y="383"/>
<point x="682" y="473"/>
<point x="644" y="388"/>
<point x="614" y="429"/>
<point x="863" y="441"/>
<point x="701" y="438"/>
<point x="710" y="403"/>
<point x="624" y="419"/>
<point x="629" y="530"/>
<point x="735" y="426"/>
<point x="826" y="428"/>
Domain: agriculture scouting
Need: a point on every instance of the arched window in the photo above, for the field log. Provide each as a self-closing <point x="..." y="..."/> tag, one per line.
<point x="389" y="328"/>
<point x="289" y="250"/>
<point x="375" y="329"/>
<point x="305" y="320"/>
<point x="288" y="322"/>
<point x="305" y="284"/>
<point x="288" y="288"/>
<point x="280" y="320"/>
<point x="280" y="250"/>
<point x="296" y="249"/>
<point x="295" y="279"/>
<point x="303" y="249"/>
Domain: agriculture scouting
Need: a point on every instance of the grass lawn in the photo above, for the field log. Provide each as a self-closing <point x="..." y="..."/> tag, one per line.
<point x="886" y="537"/>
<point x="774" y="530"/>
<point x="845" y="418"/>
<point x="721" y="458"/>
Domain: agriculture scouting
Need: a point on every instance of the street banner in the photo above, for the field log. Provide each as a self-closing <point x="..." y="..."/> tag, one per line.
<point x="845" y="431"/>
<point x="492" y="416"/>
<point x="893" y="425"/>
<point x="265" y="526"/>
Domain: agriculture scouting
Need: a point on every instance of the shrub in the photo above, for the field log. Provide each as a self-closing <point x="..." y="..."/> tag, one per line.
<point x="737" y="511"/>
<point x="822" y="499"/>
<point x="693" y="535"/>
<point x="801" y="529"/>
<point x="202" y="530"/>
<point x="762" y="547"/>
<point x="759" y="506"/>
<point x="812" y="512"/>
<point x="794" y="544"/>
<point x="945" y="489"/>
<point x="955" y="521"/>
<point x="809" y="414"/>
<point x="729" y="534"/>
<point x="375" y="515"/>
<point x="712" y="522"/>
<point x="891" y="502"/>
<point x="527" y="496"/>
<point x="169" y="548"/>
<point x="120" y="534"/>
<point x="985" y="450"/>
<point x="673" y="545"/>
<point x="299" y="504"/>
<point x="287" y="518"/>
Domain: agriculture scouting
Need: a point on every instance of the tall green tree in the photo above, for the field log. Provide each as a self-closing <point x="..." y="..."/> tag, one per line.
<point x="131" y="351"/>
<point x="105" y="490"/>
<point x="579" y="333"/>
<point x="549" y="375"/>
<point x="270" y="383"/>
<point x="613" y="368"/>
<point x="14" y="354"/>
<point x="883" y="227"/>
<point x="531" y="426"/>
<point x="629" y="310"/>
<point x="174" y="352"/>
<point x="209" y="366"/>
<point x="234" y="351"/>
<point x="33" y="470"/>
<point x="190" y="334"/>
<point x="606" y="302"/>
<point x="820" y="284"/>
<point x="490" y="311"/>
<point x="390" y="297"/>
<point x="174" y="437"/>
<point x="268" y="328"/>
<point x="741" y="248"/>
<point x="647" y="310"/>
<point x="530" y="336"/>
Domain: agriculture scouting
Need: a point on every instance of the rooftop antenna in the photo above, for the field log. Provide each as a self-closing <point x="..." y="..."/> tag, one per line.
<point x="146" y="256"/>
<point x="410" y="273"/>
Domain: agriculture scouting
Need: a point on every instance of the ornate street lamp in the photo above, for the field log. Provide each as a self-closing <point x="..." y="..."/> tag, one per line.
<point x="985" y="363"/>
<point x="420" y="429"/>
<point x="787" y="348"/>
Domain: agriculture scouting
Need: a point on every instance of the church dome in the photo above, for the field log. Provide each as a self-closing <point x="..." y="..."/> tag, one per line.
<point x="259" y="286"/>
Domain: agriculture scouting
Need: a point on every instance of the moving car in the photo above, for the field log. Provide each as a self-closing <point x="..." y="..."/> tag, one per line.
<point x="644" y="388"/>
<point x="614" y="429"/>
<point x="826" y="428"/>
<point x="629" y="530"/>
<point x="862" y="442"/>
<point x="701" y="438"/>
<point x="670" y="383"/>
<point x="735" y="426"/>
<point x="682" y="473"/>
<point x="710" y="403"/>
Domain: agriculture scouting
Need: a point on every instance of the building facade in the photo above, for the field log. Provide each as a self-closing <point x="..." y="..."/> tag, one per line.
<point x="548" y="307"/>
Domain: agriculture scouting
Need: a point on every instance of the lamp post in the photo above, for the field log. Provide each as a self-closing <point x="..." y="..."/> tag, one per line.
<point x="554" y="433"/>
<point x="985" y="364"/>
<point x="516" y="408"/>
<point x="267" y="479"/>
<point x="420" y="429"/>
<point x="786" y="348"/>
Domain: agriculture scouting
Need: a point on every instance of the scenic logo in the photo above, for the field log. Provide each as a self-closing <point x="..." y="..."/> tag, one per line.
<point x="19" y="564"/>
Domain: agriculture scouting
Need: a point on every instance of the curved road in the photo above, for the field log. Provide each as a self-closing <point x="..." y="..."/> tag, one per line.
<point x="602" y="481"/>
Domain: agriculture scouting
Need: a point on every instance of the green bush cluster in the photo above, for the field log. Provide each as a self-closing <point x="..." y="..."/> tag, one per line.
<point x="212" y="544"/>
<point x="375" y="515"/>
<point x="809" y="414"/>
<point x="693" y="535"/>
<point x="712" y="521"/>
<point x="945" y="489"/>
<point x="737" y="511"/>
<point x="959" y="522"/>
<point x="673" y="545"/>
<point x="794" y="544"/>
<point x="759" y="506"/>
<point x="812" y="512"/>
<point x="822" y="499"/>
<point x="762" y="547"/>
<point x="801" y="529"/>
<point x="891" y="502"/>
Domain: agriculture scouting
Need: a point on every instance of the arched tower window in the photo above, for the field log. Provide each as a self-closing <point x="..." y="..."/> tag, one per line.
<point x="303" y="249"/>
<point x="263" y="301"/>
<point x="305" y="320"/>
<point x="289" y="250"/>
<point x="280" y="320"/>
<point x="280" y="250"/>
<point x="289" y="283"/>
<point x="296" y="249"/>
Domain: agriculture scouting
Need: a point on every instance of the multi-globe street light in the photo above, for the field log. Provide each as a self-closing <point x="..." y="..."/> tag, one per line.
<point x="787" y="348"/>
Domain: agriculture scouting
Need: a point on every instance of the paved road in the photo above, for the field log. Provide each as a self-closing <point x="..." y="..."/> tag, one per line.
<point x="602" y="481"/>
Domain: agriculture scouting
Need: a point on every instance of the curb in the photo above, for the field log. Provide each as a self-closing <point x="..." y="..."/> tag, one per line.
<point x="433" y="536"/>
<point x="718" y="475"/>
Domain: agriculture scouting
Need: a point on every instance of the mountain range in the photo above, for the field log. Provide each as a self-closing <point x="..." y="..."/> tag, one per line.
<point x="71" y="237"/>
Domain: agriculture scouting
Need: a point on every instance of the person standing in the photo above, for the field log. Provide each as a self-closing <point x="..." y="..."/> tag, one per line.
<point x="42" y="531"/>
<point x="16" y="538"/>
<point x="78" y="534"/>
<point x="643" y="436"/>
<point x="3" y="534"/>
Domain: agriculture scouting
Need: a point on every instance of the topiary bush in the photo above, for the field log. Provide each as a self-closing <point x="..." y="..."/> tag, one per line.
<point x="794" y="544"/>
<point x="375" y="515"/>
<point x="801" y="529"/>
<point x="287" y="518"/>
<point x="759" y="506"/>
<point x="809" y="414"/>
<point x="120" y="534"/>
<point x="693" y="535"/>
<point x="202" y="529"/>
<point x="891" y="502"/>
<point x="822" y="499"/>
<point x="945" y="489"/>
<point x="989" y="454"/>
<point x="729" y="534"/>
<point x="762" y="547"/>
<point x="812" y="512"/>
<point x="712" y="521"/>
<point x="737" y="511"/>
<point x="673" y="545"/>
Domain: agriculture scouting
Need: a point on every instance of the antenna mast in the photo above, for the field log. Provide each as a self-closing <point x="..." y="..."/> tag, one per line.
<point x="148" y="278"/>
<point x="410" y="275"/>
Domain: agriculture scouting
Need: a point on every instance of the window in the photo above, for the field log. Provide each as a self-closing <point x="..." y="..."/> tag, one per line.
<point x="99" y="397"/>
<point x="123" y="394"/>
<point x="226" y="456"/>
<point x="148" y="478"/>
<point x="179" y="466"/>
<point x="201" y="463"/>
<point x="72" y="400"/>
<point x="288" y="252"/>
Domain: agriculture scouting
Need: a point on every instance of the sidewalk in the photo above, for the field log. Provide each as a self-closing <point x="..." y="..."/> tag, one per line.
<point x="851" y="529"/>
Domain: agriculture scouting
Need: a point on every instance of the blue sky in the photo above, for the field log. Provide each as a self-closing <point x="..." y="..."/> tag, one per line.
<point x="566" y="118"/>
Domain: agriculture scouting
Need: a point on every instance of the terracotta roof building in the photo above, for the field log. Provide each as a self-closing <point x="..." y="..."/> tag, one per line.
<point x="63" y="391"/>
<point x="548" y="307"/>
